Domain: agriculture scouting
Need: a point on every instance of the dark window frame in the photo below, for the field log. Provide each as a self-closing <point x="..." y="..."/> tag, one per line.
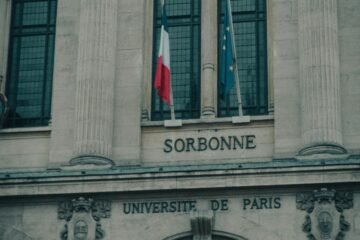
<point x="159" y="110"/>
<point x="258" y="16"/>
<point x="19" y="31"/>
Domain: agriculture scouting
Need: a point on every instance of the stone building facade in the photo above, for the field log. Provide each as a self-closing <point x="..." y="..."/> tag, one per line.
<point x="87" y="150"/>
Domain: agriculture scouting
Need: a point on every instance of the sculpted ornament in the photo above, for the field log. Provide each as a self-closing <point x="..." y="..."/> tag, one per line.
<point x="82" y="218"/>
<point x="325" y="218"/>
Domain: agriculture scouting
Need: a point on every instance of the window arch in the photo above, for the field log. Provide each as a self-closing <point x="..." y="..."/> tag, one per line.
<point x="217" y="235"/>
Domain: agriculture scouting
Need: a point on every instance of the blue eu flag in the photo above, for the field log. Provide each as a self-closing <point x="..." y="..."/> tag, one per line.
<point x="227" y="60"/>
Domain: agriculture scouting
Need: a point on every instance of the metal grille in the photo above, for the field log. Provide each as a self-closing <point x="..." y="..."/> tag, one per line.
<point x="30" y="65"/>
<point x="249" y="18"/>
<point x="183" y="18"/>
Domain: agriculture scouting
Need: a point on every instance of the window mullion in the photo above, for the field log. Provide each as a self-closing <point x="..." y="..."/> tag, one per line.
<point x="15" y="78"/>
<point x="46" y="62"/>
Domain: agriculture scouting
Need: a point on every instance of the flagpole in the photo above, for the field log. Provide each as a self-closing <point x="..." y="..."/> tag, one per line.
<point x="236" y="73"/>
<point x="172" y="108"/>
<point x="170" y="101"/>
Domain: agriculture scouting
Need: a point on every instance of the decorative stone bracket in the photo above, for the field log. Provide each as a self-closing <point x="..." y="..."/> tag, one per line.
<point x="323" y="207"/>
<point x="202" y="223"/>
<point x="82" y="218"/>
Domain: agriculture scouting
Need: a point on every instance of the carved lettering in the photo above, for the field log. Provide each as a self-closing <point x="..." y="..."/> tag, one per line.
<point x="250" y="142"/>
<point x="237" y="142"/>
<point x="179" y="145"/>
<point x="168" y="145"/>
<point x="261" y="203"/>
<point x="225" y="142"/>
<point x="214" y="143"/>
<point x="190" y="143"/>
<point x="185" y="206"/>
<point x="159" y="207"/>
<point x="202" y="146"/>
<point x="219" y="205"/>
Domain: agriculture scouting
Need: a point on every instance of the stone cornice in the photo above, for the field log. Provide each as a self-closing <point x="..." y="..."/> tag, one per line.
<point x="135" y="179"/>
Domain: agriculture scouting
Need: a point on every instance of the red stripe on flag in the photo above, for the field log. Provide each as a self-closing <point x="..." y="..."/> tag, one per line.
<point x="162" y="80"/>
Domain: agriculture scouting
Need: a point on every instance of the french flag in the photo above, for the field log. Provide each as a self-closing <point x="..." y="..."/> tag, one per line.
<point x="162" y="74"/>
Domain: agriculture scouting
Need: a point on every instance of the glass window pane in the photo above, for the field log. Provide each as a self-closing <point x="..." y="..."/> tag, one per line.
<point x="183" y="18"/>
<point x="35" y="13"/>
<point x="31" y="56"/>
<point x="249" y="21"/>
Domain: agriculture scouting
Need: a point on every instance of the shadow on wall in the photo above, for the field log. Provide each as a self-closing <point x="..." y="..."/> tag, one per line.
<point x="10" y="233"/>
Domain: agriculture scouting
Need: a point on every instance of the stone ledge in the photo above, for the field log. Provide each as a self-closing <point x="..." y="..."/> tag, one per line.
<point x="26" y="130"/>
<point x="180" y="181"/>
<point x="283" y="165"/>
<point x="158" y="178"/>
<point x="199" y="121"/>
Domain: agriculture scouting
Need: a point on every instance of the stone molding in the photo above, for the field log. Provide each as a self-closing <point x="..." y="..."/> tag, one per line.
<point x="88" y="212"/>
<point x="187" y="177"/>
<point x="91" y="160"/>
<point x="202" y="223"/>
<point x="324" y="201"/>
<point x="322" y="148"/>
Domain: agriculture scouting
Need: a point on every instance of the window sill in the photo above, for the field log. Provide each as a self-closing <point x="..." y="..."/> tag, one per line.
<point x="148" y="123"/>
<point x="26" y="129"/>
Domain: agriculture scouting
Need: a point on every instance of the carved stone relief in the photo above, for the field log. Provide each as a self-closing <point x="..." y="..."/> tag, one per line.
<point x="325" y="218"/>
<point x="82" y="218"/>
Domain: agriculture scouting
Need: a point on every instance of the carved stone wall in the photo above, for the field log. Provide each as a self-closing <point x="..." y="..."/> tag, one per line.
<point x="82" y="218"/>
<point x="325" y="217"/>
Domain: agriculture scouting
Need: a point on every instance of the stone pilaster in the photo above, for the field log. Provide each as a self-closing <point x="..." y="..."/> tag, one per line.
<point x="208" y="58"/>
<point x="148" y="51"/>
<point x="319" y="77"/>
<point x="95" y="79"/>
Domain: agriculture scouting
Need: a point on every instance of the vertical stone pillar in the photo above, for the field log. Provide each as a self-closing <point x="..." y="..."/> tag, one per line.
<point x="94" y="105"/>
<point x="202" y="224"/>
<point x="319" y="77"/>
<point x="208" y="57"/>
<point x="148" y="51"/>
